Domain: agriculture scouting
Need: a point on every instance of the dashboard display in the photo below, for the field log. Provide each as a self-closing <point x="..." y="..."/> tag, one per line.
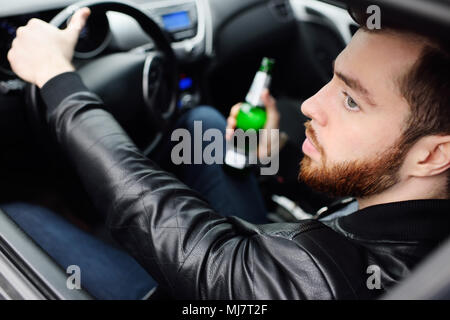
<point x="176" y="21"/>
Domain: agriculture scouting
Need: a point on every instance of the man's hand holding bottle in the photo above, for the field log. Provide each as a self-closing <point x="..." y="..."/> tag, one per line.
<point x="272" y="122"/>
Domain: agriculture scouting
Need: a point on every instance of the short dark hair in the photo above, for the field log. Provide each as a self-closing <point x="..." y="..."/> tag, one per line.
<point x="426" y="86"/>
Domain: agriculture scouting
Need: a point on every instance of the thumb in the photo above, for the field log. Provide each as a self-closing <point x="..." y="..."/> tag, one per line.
<point x="78" y="21"/>
<point x="273" y="116"/>
<point x="269" y="101"/>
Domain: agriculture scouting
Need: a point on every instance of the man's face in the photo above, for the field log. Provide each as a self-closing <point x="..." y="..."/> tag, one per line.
<point x="357" y="119"/>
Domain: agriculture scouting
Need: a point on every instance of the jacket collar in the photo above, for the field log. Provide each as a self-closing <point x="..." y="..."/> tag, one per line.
<point x="400" y="221"/>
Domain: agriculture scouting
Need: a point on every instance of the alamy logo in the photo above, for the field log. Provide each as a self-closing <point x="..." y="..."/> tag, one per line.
<point x="74" y="280"/>
<point x="374" y="280"/>
<point x="189" y="150"/>
<point x="374" y="20"/>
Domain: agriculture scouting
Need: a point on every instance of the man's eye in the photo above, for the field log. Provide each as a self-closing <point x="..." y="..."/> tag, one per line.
<point x="350" y="104"/>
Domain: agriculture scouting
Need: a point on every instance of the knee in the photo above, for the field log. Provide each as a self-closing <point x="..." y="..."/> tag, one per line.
<point x="209" y="117"/>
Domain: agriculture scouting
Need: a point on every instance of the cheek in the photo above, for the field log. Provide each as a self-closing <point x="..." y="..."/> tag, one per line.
<point x="343" y="145"/>
<point x="357" y="142"/>
<point x="347" y="136"/>
<point x="344" y="138"/>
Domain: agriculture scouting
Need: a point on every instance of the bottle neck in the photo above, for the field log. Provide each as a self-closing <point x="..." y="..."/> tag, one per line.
<point x="260" y="82"/>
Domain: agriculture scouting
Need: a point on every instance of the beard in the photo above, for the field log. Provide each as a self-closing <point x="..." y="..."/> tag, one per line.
<point x="359" y="179"/>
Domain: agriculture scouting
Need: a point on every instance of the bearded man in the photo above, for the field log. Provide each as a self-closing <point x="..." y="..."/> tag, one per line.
<point x="379" y="131"/>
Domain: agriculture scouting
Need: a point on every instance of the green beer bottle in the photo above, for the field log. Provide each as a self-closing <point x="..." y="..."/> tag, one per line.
<point x="251" y="116"/>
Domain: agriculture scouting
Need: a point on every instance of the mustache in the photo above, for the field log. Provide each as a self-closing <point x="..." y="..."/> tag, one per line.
<point x="312" y="135"/>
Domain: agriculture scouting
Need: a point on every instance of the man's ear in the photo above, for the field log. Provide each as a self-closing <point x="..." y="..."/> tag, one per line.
<point x="430" y="156"/>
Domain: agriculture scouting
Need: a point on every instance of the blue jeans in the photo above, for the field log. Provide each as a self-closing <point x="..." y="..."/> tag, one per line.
<point x="109" y="273"/>
<point x="230" y="195"/>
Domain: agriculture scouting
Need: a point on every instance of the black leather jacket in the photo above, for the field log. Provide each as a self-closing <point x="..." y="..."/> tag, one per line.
<point x="194" y="253"/>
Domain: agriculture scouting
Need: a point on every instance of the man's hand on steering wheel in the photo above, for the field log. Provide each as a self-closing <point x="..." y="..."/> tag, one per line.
<point x="41" y="51"/>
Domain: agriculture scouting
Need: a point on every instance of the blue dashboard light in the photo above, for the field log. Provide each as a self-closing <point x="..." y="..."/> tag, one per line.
<point x="176" y="21"/>
<point x="185" y="84"/>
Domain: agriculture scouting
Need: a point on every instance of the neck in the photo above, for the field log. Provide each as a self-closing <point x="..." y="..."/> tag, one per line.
<point x="412" y="188"/>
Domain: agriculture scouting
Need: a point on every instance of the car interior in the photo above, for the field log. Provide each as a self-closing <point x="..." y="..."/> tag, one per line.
<point x="150" y="60"/>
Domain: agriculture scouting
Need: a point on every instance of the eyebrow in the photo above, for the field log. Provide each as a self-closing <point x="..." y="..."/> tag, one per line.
<point x="354" y="84"/>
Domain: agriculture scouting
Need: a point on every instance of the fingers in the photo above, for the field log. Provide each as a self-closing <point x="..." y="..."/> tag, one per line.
<point x="78" y="21"/>
<point x="235" y="110"/>
<point x="271" y="146"/>
<point x="231" y="124"/>
<point x="19" y="31"/>
<point x="273" y="116"/>
<point x="269" y="101"/>
<point x="231" y="121"/>
<point x="271" y="109"/>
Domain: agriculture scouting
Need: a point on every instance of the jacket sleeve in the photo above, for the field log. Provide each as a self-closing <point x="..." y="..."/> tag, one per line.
<point x="189" y="249"/>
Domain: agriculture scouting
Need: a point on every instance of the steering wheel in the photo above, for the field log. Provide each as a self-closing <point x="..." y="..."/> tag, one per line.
<point x="133" y="85"/>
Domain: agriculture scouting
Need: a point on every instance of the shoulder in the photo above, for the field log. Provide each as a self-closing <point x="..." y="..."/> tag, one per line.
<point x="312" y="256"/>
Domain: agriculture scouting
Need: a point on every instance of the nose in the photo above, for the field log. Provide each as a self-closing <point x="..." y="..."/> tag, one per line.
<point x="314" y="107"/>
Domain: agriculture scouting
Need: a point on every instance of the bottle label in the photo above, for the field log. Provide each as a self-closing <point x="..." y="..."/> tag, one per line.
<point x="261" y="82"/>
